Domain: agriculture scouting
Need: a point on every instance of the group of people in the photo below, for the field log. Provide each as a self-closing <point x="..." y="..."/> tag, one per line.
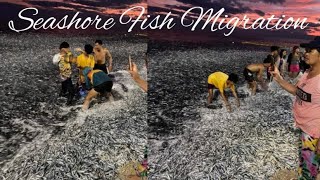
<point x="94" y="78"/>
<point x="306" y="106"/>
<point x="253" y="73"/>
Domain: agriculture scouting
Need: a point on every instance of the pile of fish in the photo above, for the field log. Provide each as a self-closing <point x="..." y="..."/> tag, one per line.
<point x="189" y="141"/>
<point x="42" y="138"/>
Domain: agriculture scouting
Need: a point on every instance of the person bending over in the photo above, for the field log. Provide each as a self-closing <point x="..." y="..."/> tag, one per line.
<point x="101" y="83"/>
<point x="222" y="81"/>
<point x="249" y="74"/>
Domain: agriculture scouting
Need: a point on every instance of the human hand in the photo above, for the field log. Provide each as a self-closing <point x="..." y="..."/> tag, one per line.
<point x="133" y="70"/>
<point x="229" y="108"/>
<point x="78" y="49"/>
<point x="275" y="73"/>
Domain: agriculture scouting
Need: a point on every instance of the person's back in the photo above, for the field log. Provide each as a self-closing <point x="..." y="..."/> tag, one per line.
<point x="222" y="81"/>
<point x="98" y="82"/>
<point x="256" y="68"/>
<point x="218" y="79"/>
<point x="85" y="60"/>
<point x="99" y="77"/>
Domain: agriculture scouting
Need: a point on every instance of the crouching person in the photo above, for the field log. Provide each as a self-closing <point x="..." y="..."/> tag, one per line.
<point x="99" y="82"/>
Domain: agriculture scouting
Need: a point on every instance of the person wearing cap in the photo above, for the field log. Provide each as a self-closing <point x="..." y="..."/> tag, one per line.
<point x="306" y="109"/>
<point x="222" y="81"/>
<point x="63" y="59"/>
<point x="100" y="83"/>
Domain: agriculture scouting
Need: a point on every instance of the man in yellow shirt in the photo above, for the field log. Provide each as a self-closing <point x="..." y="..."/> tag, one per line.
<point x="85" y="59"/>
<point x="222" y="81"/>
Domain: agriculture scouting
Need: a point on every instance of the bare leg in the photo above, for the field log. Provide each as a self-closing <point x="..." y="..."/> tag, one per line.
<point x="210" y="91"/>
<point x="253" y="87"/>
<point x="264" y="85"/>
<point x="92" y="93"/>
<point x="250" y="87"/>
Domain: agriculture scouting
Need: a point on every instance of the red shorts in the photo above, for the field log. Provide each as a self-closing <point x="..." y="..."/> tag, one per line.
<point x="294" y="68"/>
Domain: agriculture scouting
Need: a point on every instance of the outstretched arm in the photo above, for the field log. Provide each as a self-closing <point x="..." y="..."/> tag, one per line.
<point x="136" y="77"/>
<point x="283" y="83"/>
<point x="79" y="50"/>
<point x="235" y="96"/>
<point x="225" y="100"/>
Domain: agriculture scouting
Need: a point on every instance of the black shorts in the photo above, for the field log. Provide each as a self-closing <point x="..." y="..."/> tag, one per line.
<point x="104" y="87"/>
<point x="102" y="67"/>
<point x="211" y="86"/>
<point x="248" y="75"/>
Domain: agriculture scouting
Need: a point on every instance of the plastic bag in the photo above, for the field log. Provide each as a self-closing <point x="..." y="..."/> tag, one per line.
<point x="56" y="58"/>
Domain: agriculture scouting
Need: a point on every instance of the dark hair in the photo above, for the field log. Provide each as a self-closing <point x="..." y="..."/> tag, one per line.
<point x="64" y="45"/>
<point x="98" y="41"/>
<point x="282" y="52"/>
<point x="88" y="48"/>
<point x="274" y="48"/>
<point x="295" y="48"/>
<point x="233" y="77"/>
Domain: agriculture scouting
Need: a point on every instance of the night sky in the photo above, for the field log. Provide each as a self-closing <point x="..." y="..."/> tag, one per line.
<point x="252" y="8"/>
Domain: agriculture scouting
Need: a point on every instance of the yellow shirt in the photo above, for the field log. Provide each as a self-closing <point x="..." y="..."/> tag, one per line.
<point x="82" y="62"/>
<point x="219" y="80"/>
